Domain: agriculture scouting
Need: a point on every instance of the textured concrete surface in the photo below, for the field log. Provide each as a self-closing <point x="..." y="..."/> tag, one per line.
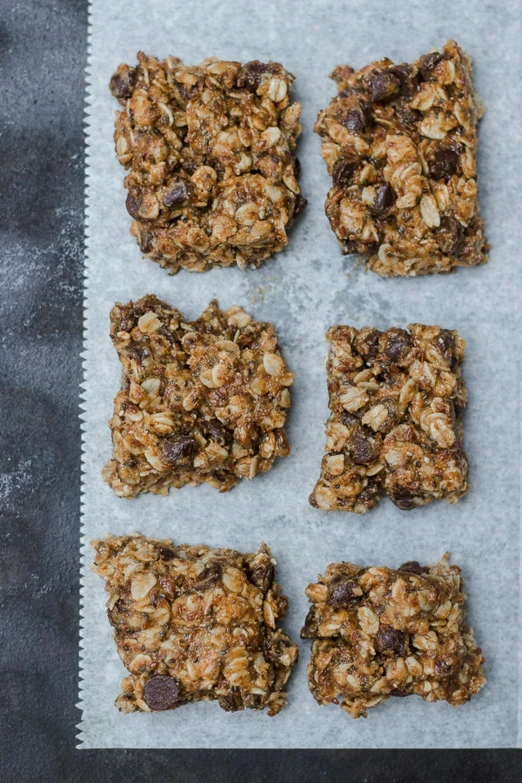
<point x="42" y="55"/>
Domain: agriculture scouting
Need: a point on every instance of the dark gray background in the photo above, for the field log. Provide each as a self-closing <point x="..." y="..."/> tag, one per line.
<point x="42" y="57"/>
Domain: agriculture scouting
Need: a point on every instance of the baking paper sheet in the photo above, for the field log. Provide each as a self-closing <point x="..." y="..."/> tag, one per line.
<point x="303" y="291"/>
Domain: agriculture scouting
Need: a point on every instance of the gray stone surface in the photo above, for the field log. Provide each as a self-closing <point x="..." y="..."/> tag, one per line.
<point x="42" y="54"/>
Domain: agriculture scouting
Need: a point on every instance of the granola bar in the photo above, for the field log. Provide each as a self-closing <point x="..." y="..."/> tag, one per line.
<point x="396" y="399"/>
<point x="193" y="623"/>
<point x="379" y="632"/>
<point x="210" y="150"/>
<point x="200" y="401"/>
<point x="400" y="143"/>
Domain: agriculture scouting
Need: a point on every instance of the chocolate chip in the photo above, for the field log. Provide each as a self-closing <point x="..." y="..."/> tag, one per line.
<point x="398" y="344"/>
<point x="450" y="235"/>
<point x="349" y="248"/>
<point x="262" y="576"/>
<point x="400" y="692"/>
<point x="208" y="578"/>
<point x="407" y="117"/>
<point x="355" y="120"/>
<point x="403" y="499"/>
<point x="383" y="201"/>
<point x="133" y="205"/>
<point x="219" y="432"/>
<point x="178" y="451"/>
<point x="161" y="692"/>
<point x="300" y="204"/>
<point x="404" y="73"/>
<point x="349" y="420"/>
<point x="413" y="567"/>
<point x="145" y="239"/>
<point x="446" y="344"/>
<point x="250" y="75"/>
<point x="123" y="82"/>
<point x="165" y="553"/>
<point x="444" y="164"/>
<point x="384" y="85"/>
<point x="362" y="450"/>
<point x="189" y="167"/>
<point x="390" y="639"/>
<point x="231" y="700"/>
<point x="428" y="63"/>
<point x="178" y="194"/>
<point x="341" y="592"/>
<point x="309" y="629"/>
<point x="369" y="347"/>
<point x="343" y="171"/>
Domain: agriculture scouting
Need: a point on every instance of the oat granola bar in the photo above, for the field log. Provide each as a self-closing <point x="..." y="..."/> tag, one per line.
<point x="379" y="632"/>
<point x="193" y="623"/>
<point x="396" y="399"/>
<point x="210" y="151"/>
<point x="400" y="143"/>
<point x="200" y="401"/>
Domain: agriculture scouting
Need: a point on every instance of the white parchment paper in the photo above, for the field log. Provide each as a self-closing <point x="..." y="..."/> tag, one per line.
<point x="303" y="291"/>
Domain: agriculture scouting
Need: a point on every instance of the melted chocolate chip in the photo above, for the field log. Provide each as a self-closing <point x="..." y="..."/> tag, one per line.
<point x="178" y="451"/>
<point x="362" y="450"/>
<point x="450" y="235"/>
<point x="309" y="629"/>
<point x="398" y="344"/>
<point x="428" y="63"/>
<point x="300" y="204"/>
<point x="208" y="578"/>
<point x="444" y="164"/>
<point x="343" y="171"/>
<point x="262" y="576"/>
<point x="404" y="74"/>
<point x="355" y="120"/>
<point x="407" y="117"/>
<point x="231" y="700"/>
<point x="166" y="554"/>
<point x="219" y="432"/>
<point x="341" y="592"/>
<point x="372" y="342"/>
<point x="250" y="75"/>
<point x="383" y="201"/>
<point x="178" y="194"/>
<point x="401" y="692"/>
<point x="145" y="239"/>
<point x="403" y="499"/>
<point x="123" y="82"/>
<point x="384" y="86"/>
<point x="413" y="567"/>
<point x="133" y="205"/>
<point x="161" y="692"/>
<point x="389" y="639"/>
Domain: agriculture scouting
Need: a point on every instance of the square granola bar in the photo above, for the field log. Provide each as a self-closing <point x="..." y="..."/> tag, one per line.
<point x="193" y="623"/>
<point x="200" y="401"/>
<point x="210" y="150"/>
<point x="400" y="143"/>
<point x="395" y="428"/>
<point x="379" y="632"/>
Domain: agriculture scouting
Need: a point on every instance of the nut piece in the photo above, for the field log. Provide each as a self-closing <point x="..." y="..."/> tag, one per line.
<point x="193" y="623"/>
<point x="380" y="632"/>
<point x="210" y="154"/>
<point x="199" y="402"/>
<point x="396" y="401"/>
<point x="400" y="142"/>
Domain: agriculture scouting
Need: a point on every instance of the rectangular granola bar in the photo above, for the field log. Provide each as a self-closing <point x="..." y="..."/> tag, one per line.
<point x="400" y="143"/>
<point x="193" y="623"/>
<point x="396" y="399"/>
<point x="380" y="632"/>
<point x="200" y="401"/>
<point x="210" y="151"/>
